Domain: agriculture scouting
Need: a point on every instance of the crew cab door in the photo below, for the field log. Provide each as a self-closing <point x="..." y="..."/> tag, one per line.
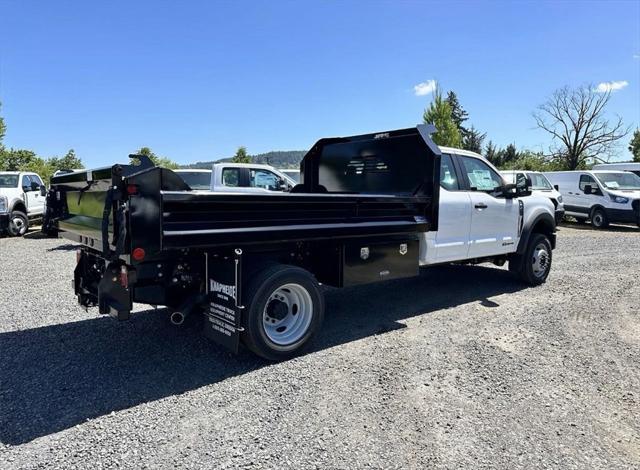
<point x="33" y="200"/>
<point x="495" y="219"/>
<point x="454" y="216"/>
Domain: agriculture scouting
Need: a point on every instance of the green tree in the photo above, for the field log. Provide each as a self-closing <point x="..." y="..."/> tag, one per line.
<point x="491" y="153"/>
<point x="69" y="162"/>
<point x="634" y="145"/>
<point x="458" y="114"/>
<point x="241" y="156"/>
<point x="472" y="140"/>
<point x="16" y="160"/>
<point x="3" y="129"/>
<point x="157" y="160"/>
<point x="532" y="161"/>
<point x="510" y="154"/>
<point x="439" y="114"/>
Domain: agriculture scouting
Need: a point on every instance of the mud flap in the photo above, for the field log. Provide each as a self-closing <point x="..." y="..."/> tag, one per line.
<point x="114" y="298"/>
<point x="223" y="313"/>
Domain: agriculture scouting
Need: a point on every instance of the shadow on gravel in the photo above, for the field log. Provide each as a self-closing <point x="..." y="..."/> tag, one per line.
<point x="591" y="228"/>
<point x="65" y="247"/>
<point x="55" y="377"/>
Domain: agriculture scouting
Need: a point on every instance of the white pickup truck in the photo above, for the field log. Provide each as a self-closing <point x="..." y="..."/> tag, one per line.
<point x="237" y="178"/>
<point x="22" y="199"/>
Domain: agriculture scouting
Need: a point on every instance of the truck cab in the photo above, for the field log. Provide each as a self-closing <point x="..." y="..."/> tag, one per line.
<point x="480" y="216"/>
<point x="22" y="200"/>
<point x="249" y="178"/>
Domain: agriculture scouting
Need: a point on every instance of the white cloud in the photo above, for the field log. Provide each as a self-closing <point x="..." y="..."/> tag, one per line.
<point x="425" y="88"/>
<point x="605" y="87"/>
<point x="636" y="56"/>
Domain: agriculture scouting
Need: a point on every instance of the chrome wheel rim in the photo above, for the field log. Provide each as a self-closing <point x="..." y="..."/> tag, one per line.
<point x="541" y="260"/>
<point x="18" y="226"/>
<point x="287" y="314"/>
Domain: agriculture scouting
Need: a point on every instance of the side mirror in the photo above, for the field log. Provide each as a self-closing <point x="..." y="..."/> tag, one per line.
<point x="556" y="187"/>
<point x="43" y="190"/>
<point x="523" y="185"/>
<point x="588" y="189"/>
<point x="282" y="186"/>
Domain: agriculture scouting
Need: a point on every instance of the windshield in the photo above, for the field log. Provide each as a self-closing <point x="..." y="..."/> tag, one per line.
<point x="196" y="179"/>
<point x="8" y="181"/>
<point x="619" y="180"/>
<point x="539" y="182"/>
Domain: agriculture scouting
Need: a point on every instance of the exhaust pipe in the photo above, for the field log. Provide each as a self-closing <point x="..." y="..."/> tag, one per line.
<point x="177" y="318"/>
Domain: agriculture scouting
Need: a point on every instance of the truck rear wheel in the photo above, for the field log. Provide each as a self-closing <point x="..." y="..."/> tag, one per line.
<point x="534" y="264"/>
<point x="18" y="224"/>
<point x="284" y="309"/>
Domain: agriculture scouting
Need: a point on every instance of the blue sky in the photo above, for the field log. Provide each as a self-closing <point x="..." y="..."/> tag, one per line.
<point x="194" y="80"/>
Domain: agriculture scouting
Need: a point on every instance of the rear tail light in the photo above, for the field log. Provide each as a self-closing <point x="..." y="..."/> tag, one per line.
<point x="132" y="189"/>
<point x="138" y="254"/>
<point x="124" y="276"/>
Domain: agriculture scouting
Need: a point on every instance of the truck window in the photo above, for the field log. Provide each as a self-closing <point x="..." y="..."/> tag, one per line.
<point x="265" y="179"/>
<point x="8" y="181"/>
<point x="26" y="183"/>
<point x="585" y="180"/>
<point x="479" y="175"/>
<point x="36" y="179"/>
<point x="448" y="179"/>
<point x="231" y="177"/>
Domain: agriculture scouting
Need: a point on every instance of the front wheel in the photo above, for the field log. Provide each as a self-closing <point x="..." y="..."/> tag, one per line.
<point x="599" y="218"/>
<point x="284" y="309"/>
<point x="18" y="224"/>
<point x="534" y="265"/>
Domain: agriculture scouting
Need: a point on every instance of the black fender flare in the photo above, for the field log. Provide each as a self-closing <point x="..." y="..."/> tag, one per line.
<point x="17" y="202"/>
<point x="542" y="223"/>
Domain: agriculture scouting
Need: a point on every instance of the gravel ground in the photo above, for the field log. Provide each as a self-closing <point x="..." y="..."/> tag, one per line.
<point x="460" y="368"/>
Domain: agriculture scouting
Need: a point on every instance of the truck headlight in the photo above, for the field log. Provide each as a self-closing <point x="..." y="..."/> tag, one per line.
<point x="560" y="199"/>
<point x="4" y="204"/>
<point x="619" y="199"/>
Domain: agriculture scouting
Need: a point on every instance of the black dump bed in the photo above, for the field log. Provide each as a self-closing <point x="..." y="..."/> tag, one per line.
<point x="367" y="185"/>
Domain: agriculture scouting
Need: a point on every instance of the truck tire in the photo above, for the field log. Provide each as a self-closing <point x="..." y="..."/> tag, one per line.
<point x="534" y="265"/>
<point x="284" y="309"/>
<point x="599" y="218"/>
<point x="18" y="224"/>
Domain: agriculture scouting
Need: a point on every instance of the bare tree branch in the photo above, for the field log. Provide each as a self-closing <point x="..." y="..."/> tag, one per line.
<point x="579" y="130"/>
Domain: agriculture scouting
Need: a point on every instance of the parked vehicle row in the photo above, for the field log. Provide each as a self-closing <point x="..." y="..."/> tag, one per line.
<point x="369" y="208"/>
<point x="603" y="197"/>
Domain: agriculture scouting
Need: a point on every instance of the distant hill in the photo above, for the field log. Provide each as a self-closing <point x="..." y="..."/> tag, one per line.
<point x="278" y="159"/>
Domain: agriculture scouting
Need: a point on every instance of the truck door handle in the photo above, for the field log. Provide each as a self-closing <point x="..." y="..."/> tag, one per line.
<point x="480" y="206"/>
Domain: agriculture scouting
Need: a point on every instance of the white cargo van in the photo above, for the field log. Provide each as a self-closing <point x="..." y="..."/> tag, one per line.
<point x="540" y="186"/>
<point x="602" y="196"/>
<point x="633" y="167"/>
